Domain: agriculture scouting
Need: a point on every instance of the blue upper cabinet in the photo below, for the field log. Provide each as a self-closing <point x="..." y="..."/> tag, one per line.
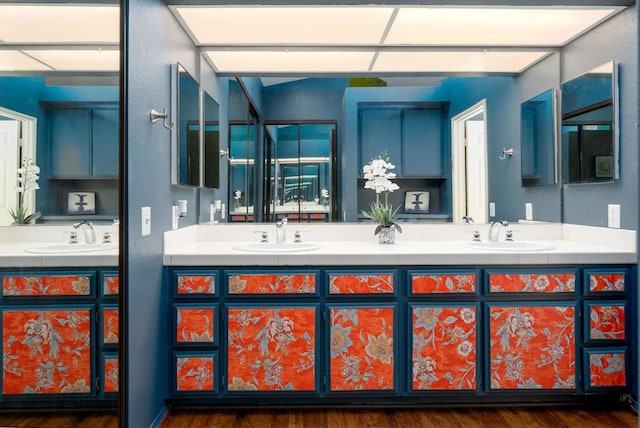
<point x="381" y="131"/>
<point x="410" y="135"/>
<point x="105" y="142"/>
<point x="84" y="141"/>
<point x="421" y="142"/>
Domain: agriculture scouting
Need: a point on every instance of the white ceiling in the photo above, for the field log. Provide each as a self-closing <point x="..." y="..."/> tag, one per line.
<point x="305" y="40"/>
<point x="59" y="37"/>
<point x="378" y="39"/>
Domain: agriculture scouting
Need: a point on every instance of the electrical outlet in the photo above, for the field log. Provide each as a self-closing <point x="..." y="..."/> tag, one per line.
<point x="492" y="209"/>
<point x="614" y="215"/>
<point x="146" y="221"/>
<point x="528" y="211"/>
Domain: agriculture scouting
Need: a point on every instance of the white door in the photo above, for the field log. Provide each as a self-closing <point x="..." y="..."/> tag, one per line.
<point x="8" y="166"/>
<point x="469" y="164"/>
<point x="476" y="187"/>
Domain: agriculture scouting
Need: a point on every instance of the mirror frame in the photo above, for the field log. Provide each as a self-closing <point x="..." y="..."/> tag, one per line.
<point x="615" y="135"/>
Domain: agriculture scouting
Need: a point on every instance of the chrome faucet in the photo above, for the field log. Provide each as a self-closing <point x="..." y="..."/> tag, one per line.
<point x="281" y="230"/>
<point x="87" y="229"/>
<point x="494" y="229"/>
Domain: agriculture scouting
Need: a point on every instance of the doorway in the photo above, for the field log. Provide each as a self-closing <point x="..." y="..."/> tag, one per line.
<point x="17" y="142"/>
<point x="469" y="166"/>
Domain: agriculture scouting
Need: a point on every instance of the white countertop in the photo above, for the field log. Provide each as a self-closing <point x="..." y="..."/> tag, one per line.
<point x="355" y="245"/>
<point x="14" y="240"/>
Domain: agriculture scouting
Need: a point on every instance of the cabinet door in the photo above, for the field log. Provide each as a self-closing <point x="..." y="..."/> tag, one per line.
<point x="532" y="347"/>
<point x="105" y="142"/>
<point x="443" y="355"/>
<point x="70" y="130"/>
<point x="380" y="131"/>
<point x="47" y="351"/>
<point x="361" y="348"/>
<point x="421" y="142"/>
<point x="79" y="284"/>
<point x="110" y="373"/>
<point x="271" y="348"/>
<point x="196" y="373"/>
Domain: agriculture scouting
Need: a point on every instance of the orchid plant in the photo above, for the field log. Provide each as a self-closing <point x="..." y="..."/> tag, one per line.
<point x="378" y="175"/>
<point x="27" y="178"/>
<point x="324" y="197"/>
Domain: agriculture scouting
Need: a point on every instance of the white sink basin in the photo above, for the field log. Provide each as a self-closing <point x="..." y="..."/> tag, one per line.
<point x="509" y="245"/>
<point x="71" y="248"/>
<point x="277" y="247"/>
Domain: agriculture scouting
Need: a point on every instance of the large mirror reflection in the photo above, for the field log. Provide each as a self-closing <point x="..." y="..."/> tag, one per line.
<point x="589" y="126"/>
<point x="59" y="166"/>
<point x="188" y="129"/>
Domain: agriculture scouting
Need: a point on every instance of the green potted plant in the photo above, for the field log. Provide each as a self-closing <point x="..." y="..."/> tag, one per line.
<point x="378" y="175"/>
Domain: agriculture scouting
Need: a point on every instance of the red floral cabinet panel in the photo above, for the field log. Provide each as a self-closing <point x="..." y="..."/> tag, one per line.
<point x="110" y="285"/>
<point x="606" y="282"/>
<point x="606" y="368"/>
<point x="271" y="348"/>
<point x="49" y="285"/>
<point x="444" y="348"/>
<point x="381" y="283"/>
<point x="272" y="284"/>
<point x="606" y="321"/>
<point x="532" y="283"/>
<point x="195" y="284"/>
<point x="195" y="324"/>
<point x="532" y="347"/>
<point x="110" y="324"/>
<point x="443" y="283"/>
<point x="195" y="372"/>
<point x="361" y="348"/>
<point x="110" y="373"/>
<point x="46" y="351"/>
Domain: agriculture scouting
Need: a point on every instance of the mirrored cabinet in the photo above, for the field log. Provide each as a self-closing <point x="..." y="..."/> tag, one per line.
<point x="538" y="139"/>
<point x="589" y="126"/>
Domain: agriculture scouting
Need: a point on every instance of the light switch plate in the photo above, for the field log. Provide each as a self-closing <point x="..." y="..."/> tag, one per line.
<point x="528" y="211"/>
<point x="492" y="209"/>
<point x="146" y="221"/>
<point x="614" y="215"/>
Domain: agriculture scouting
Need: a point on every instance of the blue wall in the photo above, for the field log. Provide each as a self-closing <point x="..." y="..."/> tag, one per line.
<point x="155" y="43"/>
<point x="616" y="39"/>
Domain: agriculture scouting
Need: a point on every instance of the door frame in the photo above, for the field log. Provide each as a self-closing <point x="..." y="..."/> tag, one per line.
<point x="458" y="163"/>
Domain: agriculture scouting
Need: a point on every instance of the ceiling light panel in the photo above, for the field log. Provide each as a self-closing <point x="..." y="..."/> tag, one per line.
<point x="79" y="60"/>
<point x="512" y="26"/>
<point x="312" y="62"/>
<point x="17" y="61"/>
<point x="59" y="24"/>
<point x="269" y="25"/>
<point x="455" y="62"/>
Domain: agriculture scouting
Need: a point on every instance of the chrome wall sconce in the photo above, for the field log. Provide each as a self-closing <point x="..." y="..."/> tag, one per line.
<point x="156" y="116"/>
<point x="505" y="152"/>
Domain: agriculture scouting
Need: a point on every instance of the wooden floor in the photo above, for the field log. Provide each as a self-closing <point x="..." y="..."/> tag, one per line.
<point x="520" y="417"/>
<point x="528" y="417"/>
<point x="61" y="419"/>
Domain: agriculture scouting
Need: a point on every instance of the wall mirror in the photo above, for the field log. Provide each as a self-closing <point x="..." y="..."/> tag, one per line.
<point x="590" y="143"/>
<point x="187" y="129"/>
<point x="211" y="142"/>
<point x="538" y="139"/>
